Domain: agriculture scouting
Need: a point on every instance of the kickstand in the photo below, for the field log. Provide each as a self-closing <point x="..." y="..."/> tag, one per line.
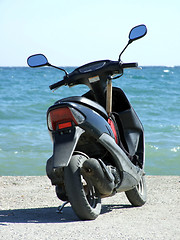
<point x="60" y="208"/>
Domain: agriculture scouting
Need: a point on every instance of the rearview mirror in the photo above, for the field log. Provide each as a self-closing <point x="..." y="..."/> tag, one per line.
<point x="37" y="60"/>
<point x="137" y="32"/>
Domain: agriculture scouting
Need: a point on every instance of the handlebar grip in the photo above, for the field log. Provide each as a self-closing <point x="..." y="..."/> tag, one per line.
<point x="58" y="84"/>
<point x="130" y="65"/>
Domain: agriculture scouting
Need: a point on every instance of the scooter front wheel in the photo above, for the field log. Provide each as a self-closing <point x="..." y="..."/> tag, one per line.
<point x="138" y="195"/>
<point x="83" y="196"/>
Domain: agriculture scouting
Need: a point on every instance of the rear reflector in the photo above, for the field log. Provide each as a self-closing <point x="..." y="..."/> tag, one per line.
<point x="64" y="125"/>
<point x="113" y="129"/>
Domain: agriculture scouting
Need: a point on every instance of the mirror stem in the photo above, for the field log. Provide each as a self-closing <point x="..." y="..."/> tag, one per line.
<point x="123" y="51"/>
<point x="59" y="69"/>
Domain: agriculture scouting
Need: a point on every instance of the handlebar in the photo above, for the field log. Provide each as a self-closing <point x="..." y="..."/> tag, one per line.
<point x="110" y="66"/>
<point x="130" y="65"/>
<point x="57" y="84"/>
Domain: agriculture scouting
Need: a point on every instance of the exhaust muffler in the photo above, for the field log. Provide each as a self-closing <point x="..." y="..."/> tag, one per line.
<point x="100" y="176"/>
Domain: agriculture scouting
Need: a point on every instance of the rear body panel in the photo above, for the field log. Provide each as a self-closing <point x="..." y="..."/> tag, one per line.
<point x="82" y="137"/>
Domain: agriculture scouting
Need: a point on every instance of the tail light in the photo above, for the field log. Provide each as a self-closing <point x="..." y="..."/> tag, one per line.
<point x="63" y="118"/>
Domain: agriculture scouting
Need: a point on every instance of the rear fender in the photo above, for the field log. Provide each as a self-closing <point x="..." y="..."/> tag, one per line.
<point x="64" y="145"/>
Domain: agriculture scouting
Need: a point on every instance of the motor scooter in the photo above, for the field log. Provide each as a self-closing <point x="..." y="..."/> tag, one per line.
<point x="98" y="139"/>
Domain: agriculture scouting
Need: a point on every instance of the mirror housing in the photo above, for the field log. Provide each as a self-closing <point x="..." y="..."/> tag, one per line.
<point x="37" y="60"/>
<point x="137" y="32"/>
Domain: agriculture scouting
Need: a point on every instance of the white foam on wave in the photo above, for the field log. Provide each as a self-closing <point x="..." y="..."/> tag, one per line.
<point x="175" y="149"/>
<point x="154" y="147"/>
<point x="166" y="70"/>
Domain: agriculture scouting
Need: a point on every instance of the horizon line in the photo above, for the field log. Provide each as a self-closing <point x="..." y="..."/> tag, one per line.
<point x="82" y="65"/>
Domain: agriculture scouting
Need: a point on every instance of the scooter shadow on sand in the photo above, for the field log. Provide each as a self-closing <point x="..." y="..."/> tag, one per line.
<point x="47" y="215"/>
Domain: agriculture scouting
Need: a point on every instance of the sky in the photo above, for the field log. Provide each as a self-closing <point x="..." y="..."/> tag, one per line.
<point x="75" y="32"/>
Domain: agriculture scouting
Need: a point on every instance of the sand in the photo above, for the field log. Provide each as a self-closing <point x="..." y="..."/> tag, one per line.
<point x="28" y="211"/>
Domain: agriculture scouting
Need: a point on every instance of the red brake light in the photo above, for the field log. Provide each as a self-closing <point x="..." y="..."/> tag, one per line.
<point x="59" y="116"/>
<point x="63" y="117"/>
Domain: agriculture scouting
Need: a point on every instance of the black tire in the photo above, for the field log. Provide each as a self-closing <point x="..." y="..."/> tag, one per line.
<point x="85" y="199"/>
<point x="138" y="195"/>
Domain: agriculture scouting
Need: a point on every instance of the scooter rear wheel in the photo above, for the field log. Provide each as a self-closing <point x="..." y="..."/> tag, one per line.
<point x="138" y="195"/>
<point x="83" y="196"/>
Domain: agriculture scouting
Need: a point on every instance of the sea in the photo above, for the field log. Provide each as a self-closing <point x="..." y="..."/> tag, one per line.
<point x="25" y="144"/>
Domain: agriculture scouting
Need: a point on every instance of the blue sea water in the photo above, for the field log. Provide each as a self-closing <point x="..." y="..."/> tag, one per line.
<point x="25" y="144"/>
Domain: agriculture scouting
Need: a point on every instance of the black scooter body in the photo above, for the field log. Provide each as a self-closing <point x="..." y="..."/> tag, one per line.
<point x="96" y="152"/>
<point x="95" y="138"/>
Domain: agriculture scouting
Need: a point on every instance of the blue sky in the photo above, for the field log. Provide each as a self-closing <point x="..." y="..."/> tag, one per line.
<point x="72" y="33"/>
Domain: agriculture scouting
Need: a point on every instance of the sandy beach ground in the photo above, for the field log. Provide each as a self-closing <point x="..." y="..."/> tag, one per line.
<point x="28" y="211"/>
